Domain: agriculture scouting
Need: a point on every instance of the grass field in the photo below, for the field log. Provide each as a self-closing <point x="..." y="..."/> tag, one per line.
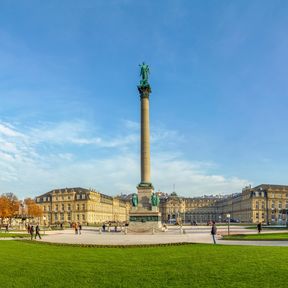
<point x="266" y="236"/>
<point x="13" y="235"/>
<point x="27" y="264"/>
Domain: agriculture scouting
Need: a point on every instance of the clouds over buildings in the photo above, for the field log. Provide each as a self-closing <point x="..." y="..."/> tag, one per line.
<point x="36" y="159"/>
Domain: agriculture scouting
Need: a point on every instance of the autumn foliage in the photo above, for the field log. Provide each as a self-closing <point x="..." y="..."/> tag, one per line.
<point x="9" y="206"/>
<point x="33" y="209"/>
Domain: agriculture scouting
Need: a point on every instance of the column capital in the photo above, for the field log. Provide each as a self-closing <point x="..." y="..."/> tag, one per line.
<point x="144" y="90"/>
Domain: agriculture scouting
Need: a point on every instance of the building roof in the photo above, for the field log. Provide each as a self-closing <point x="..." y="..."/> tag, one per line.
<point x="271" y="186"/>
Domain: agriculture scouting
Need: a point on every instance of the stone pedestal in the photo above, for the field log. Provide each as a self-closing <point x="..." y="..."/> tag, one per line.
<point x="144" y="221"/>
<point x="144" y="217"/>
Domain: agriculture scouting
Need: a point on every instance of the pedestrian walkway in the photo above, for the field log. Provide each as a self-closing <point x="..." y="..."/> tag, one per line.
<point x="190" y="234"/>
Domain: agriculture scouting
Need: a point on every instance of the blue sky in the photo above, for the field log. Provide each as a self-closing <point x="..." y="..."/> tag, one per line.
<point x="69" y="106"/>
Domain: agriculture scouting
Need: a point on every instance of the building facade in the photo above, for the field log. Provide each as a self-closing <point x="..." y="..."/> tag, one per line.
<point x="176" y="209"/>
<point x="81" y="205"/>
<point x="264" y="203"/>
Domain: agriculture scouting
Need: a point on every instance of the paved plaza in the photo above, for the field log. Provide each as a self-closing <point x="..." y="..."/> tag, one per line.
<point x="190" y="234"/>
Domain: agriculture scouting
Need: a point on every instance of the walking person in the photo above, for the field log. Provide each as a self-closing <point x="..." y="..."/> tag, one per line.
<point x="37" y="232"/>
<point x="214" y="231"/>
<point x="76" y="228"/>
<point x="28" y="228"/>
<point x="31" y="231"/>
<point x="259" y="227"/>
<point x="80" y="228"/>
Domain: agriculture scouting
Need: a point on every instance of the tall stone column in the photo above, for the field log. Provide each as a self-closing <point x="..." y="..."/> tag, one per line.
<point x="145" y="135"/>
<point x="145" y="214"/>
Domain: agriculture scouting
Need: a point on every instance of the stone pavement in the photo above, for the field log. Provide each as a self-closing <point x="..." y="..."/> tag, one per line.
<point x="192" y="234"/>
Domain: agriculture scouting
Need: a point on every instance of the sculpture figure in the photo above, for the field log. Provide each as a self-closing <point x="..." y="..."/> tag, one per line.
<point x="134" y="200"/>
<point x="155" y="200"/>
<point x="144" y="72"/>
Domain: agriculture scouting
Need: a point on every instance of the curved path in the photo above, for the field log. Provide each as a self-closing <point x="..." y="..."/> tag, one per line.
<point x="199" y="234"/>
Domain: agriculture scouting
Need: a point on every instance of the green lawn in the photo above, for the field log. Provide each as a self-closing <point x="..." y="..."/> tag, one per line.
<point x="266" y="236"/>
<point x="13" y="235"/>
<point x="27" y="264"/>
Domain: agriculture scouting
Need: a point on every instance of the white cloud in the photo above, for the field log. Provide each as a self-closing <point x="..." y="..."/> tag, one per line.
<point x="77" y="132"/>
<point x="28" y="171"/>
<point x="8" y="130"/>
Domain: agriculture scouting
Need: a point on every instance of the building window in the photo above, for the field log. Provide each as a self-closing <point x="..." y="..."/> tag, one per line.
<point x="83" y="206"/>
<point x="257" y="215"/>
<point x="83" y="217"/>
<point x="69" y="207"/>
<point x="68" y="197"/>
<point x="263" y="205"/>
<point x="38" y="200"/>
<point x="56" y="198"/>
<point x="56" y="207"/>
<point x="280" y="205"/>
<point x="62" y="216"/>
<point x="63" y="208"/>
<point x="83" y="196"/>
<point x="78" y="218"/>
<point x="78" y="207"/>
<point x="69" y="216"/>
<point x="44" y="199"/>
<point x="257" y="205"/>
<point x="273" y="204"/>
<point x="56" y="217"/>
<point x="49" y="208"/>
<point x="78" y="197"/>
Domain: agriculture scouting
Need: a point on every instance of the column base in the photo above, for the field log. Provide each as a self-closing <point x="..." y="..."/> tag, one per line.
<point x="144" y="221"/>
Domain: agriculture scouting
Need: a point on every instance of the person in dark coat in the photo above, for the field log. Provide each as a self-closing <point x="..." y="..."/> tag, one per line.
<point x="37" y="230"/>
<point x="259" y="227"/>
<point x="214" y="231"/>
<point x="31" y="231"/>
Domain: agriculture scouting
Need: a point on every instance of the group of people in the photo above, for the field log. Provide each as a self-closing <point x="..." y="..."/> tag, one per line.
<point x="31" y="231"/>
<point x="77" y="227"/>
<point x="109" y="225"/>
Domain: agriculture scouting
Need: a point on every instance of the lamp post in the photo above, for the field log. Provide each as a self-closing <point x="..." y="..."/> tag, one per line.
<point x="228" y="217"/>
<point x="44" y="219"/>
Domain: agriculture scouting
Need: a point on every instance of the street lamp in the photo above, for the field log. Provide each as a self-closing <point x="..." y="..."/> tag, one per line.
<point x="44" y="219"/>
<point x="228" y="216"/>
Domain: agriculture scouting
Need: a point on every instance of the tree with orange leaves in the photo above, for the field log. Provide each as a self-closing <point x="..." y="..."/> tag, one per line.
<point x="9" y="206"/>
<point x="33" y="209"/>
